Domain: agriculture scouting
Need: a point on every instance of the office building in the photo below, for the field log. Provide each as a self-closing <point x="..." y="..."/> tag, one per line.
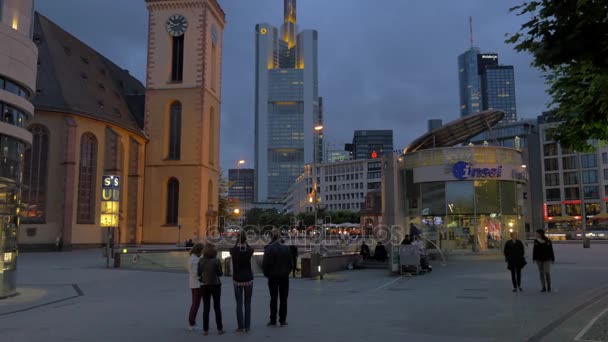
<point x="287" y="105"/>
<point x="338" y="156"/>
<point x="434" y="124"/>
<point x="341" y="185"/>
<point x="18" y="58"/>
<point x="563" y="171"/>
<point x="371" y="144"/>
<point x="241" y="185"/>
<point x="485" y="84"/>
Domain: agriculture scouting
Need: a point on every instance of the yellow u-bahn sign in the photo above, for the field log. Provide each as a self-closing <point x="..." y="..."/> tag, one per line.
<point x="110" y="201"/>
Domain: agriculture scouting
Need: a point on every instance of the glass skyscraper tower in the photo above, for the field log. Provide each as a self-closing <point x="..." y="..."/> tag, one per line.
<point x="287" y="105"/>
<point x="484" y="84"/>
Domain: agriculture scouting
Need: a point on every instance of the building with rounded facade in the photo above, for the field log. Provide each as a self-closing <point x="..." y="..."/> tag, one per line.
<point x="459" y="198"/>
<point x="18" y="56"/>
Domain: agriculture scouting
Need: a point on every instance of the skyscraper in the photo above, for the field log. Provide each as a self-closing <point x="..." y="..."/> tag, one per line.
<point x="241" y="184"/>
<point x="371" y="144"/>
<point x="485" y="84"/>
<point x="287" y="105"/>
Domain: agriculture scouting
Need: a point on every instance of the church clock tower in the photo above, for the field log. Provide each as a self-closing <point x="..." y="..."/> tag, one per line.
<point x="182" y="121"/>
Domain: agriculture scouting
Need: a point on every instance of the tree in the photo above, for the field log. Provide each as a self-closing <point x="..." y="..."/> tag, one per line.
<point x="224" y="204"/>
<point x="569" y="42"/>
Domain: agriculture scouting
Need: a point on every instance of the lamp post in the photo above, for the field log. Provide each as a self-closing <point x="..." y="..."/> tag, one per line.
<point x="314" y="198"/>
<point x="581" y="191"/>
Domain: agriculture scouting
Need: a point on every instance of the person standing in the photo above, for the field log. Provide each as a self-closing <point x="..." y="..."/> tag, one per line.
<point x="195" y="284"/>
<point x="543" y="256"/>
<point x="277" y="267"/>
<point x="380" y="253"/>
<point x="514" y="256"/>
<point x="210" y="271"/>
<point x="293" y="250"/>
<point x="242" y="278"/>
<point x="364" y="250"/>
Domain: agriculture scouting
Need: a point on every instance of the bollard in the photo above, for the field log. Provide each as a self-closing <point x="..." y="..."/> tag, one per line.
<point x="116" y="260"/>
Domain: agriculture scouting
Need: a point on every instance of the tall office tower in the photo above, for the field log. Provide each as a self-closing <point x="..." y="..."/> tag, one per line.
<point x="241" y="184"/>
<point x="18" y="58"/>
<point x="433" y="124"/>
<point x="287" y="105"/>
<point x="484" y="84"/>
<point x="371" y="144"/>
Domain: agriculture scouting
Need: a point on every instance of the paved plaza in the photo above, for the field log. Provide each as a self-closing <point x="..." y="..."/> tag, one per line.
<point x="69" y="296"/>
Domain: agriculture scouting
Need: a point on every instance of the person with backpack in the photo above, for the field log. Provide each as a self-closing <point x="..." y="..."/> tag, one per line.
<point x="543" y="256"/>
<point x="210" y="271"/>
<point x="242" y="278"/>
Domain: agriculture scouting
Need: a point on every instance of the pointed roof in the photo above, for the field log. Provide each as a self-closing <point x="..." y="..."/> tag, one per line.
<point x="74" y="78"/>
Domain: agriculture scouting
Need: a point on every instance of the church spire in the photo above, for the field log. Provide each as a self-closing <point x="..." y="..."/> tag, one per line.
<point x="288" y="29"/>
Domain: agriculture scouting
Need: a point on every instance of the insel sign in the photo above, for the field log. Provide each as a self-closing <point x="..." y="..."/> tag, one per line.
<point x="463" y="170"/>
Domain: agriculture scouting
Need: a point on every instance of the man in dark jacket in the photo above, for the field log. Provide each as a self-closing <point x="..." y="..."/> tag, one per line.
<point x="293" y="249"/>
<point x="277" y="265"/>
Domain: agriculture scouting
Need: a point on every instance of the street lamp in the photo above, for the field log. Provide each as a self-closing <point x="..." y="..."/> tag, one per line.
<point x="237" y="211"/>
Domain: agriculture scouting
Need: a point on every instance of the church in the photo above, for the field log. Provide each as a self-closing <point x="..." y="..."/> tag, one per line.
<point x="161" y="141"/>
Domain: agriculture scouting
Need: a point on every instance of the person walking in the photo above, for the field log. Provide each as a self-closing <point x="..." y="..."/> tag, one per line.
<point x="277" y="266"/>
<point x="210" y="271"/>
<point x="543" y="256"/>
<point x="195" y="285"/>
<point x="242" y="278"/>
<point x="514" y="256"/>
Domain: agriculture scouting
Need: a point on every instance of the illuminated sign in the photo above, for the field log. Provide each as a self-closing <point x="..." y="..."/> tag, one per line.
<point x="374" y="155"/>
<point x="463" y="170"/>
<point x="263" y="30"/>
<point x="489" y="56"/>
<point x="110" y="201"/>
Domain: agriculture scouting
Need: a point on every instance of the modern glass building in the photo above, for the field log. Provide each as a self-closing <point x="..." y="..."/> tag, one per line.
<point x="18" y="61"/>
<point x="485" y="85"/>
<point x="241" y="184"/>
<point x="371" y="144"/>
<point x="469" y="82"/>
<point x="498" y="90"/>
<point x="287" y="105"/>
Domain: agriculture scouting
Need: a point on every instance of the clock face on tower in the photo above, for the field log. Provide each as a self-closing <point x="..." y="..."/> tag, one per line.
<point x="177" y="25"/>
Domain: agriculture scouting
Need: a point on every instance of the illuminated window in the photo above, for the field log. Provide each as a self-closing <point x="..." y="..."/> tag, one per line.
<point x="177" y="64"/>
<point x="35" y="173"/>
<point x="86" y="179"/>
<point x="172" y="202"/>
<point x="175" y="131"/>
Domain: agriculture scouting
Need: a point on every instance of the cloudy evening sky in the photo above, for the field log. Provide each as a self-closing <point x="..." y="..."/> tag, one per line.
<point x="389" y="64"/>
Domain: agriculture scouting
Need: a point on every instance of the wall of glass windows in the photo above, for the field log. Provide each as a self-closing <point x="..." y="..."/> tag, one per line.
<point x="466" y="198"/>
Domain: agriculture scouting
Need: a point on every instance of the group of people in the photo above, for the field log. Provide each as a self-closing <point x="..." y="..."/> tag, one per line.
<point x="542" y="255"/>
<point x="380" y="253"/>
<point x="205" y="272"/>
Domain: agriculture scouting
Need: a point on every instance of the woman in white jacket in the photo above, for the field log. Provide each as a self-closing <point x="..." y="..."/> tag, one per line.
<point x="195" y="284"/>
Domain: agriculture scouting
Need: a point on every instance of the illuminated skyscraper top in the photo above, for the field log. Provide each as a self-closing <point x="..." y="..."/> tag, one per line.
<point x="289" y="28"/>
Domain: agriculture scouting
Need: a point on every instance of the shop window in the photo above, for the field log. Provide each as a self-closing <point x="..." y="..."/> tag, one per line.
<point x="573" y="209"/>
<point x="592" y="209"/>
<point x="554" y="210"/>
